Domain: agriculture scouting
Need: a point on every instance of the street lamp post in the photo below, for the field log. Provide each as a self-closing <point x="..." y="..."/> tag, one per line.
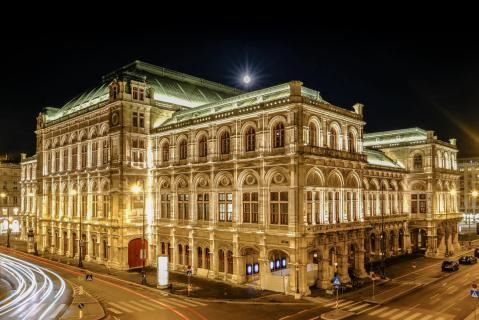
<point x="136" y="189"/>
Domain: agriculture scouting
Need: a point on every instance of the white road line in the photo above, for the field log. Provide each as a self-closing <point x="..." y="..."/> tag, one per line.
<point x="331" y="303"/>
<point x="114" y="311"/>
<point x="197" y="302"/>
<point x="366" y="310"/>
<point x="427" y="317"/>
<point x="129" y="305"/>
<point x="57" y="310"/>
<point x="175" y="303"/>
<point x="361" y="306"/>
<point x="152" y="304"/>
<point x="184" y="302"/>
<point x="378" y="311"/>
<point x="117" y="306"/>
<point x="432" y="297"/>
<point x="342" y="305"/>
<point x="388" y="313"/>
<point x="399" y="315"/>
<point x="136" y="303"/>
<point x="413" y="316"/>
<point x="317" y="317"/>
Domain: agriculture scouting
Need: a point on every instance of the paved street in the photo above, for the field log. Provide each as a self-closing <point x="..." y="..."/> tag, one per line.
<point x="31" y="291"/>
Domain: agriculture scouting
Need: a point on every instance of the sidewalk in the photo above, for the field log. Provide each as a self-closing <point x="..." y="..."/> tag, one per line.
<point x="201" y="287"/>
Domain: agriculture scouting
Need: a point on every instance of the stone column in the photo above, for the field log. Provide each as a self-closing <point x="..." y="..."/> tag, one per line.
<point x="361" y="270"/>
<point x="193" y="253"/>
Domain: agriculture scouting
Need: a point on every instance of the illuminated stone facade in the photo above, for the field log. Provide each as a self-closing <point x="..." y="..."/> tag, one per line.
<point x="9" y="195"/>
<point x="266" y="187"/>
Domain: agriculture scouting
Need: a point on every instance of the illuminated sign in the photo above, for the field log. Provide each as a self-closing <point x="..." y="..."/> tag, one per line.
<point x="162" y="270"/>
<point x="249" y="269"/>
<point x="256" y="268"/>
<point x="284" y="262"/>
<point x="271" y="265"/>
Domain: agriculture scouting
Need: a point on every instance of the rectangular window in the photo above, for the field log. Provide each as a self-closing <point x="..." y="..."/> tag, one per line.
<point x="250" y="207"/>
<point x="422" y="203"/>
<point x="135" y="93"/>
<point x="141" y="95"/>
<point x="74" y="157"/>
<point x="135" y="119"/>
<point x="105" y="152"/>
<point x="279" y="208"/>
<point x="183" y="206"/>
<point x="57" y="160"/>
<point x="94" y="206"/>
<point x="225" y="204"/>
<point x="65" y="159"/>
<point x="166" y="206"/>
<point x="203" y="206"/>
<point x="309" y="207"/>
<point x="84" y="207"/>
<point x="142" y="120"/>
<point x="106" y="206"/>
<point x="137" y="205"/>
<point x="83" y="155"/>
<point x="94" y="153"/>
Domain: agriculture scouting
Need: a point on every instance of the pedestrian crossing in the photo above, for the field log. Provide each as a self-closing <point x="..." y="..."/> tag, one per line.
<point x="150" y="305"/>
<point x="383" y="312"/>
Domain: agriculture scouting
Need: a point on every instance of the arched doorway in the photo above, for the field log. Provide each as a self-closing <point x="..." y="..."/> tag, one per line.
<point x="419" y="240"/>
<point x="401" y="240"/>
<point x="251" y="260"/>
<point x="392" y="238"/>
<point x="134" y="253"/>
<point x="278" y="262"/>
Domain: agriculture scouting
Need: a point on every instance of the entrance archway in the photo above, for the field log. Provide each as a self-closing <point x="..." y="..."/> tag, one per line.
<point x="134" y="253"/>
<point x="251" y="260"/>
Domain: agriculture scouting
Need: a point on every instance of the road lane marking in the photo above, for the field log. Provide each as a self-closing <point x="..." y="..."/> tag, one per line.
<point x="114" y="310"/>
<point x="434" y="296"/>
<point x="175" y="303"/>
<point x="120" y="307"/>
<point x="366" y="310"/>
<point x="378" y="311"/>
<point x="151" y="304"/>
<point x="317" y="317"/>
<point x="399" y="315"/>
<point x="427" y="317"/>
<point x="184" y="302"/>
<point x="198" y="303"/>
<point x="359" y="307"/>
<point x="388" y="313"/>
<point x="347" y="303"/>
<point x="413" y="316"/>
<point x="136" y="303"/>
<point x="129" y="305"/>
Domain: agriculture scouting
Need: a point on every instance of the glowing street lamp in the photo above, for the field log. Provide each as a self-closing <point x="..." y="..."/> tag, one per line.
<point x="136" y="189"/>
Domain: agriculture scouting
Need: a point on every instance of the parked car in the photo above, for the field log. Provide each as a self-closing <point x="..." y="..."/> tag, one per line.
<point x="467" y="260"/>
<point x="449" y="265"/>
<point x="476" y="252"/>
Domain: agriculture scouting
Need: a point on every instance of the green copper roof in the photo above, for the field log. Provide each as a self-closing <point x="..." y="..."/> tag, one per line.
<point x="165" y="85"/>
<point x="378" y="158"/>
<point x="394" y="137"/>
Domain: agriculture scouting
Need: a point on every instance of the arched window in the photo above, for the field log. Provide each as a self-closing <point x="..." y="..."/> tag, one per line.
<point x="417" y="160"/>
<point x="165" y="150"/>
<point x="229" y="257"/>
<point x="225" y="143"/>
<point x="207" y="258"/>
<point x="333" y="139"/>
<point x="180" y="254"/>
<point x="351" y="142"/>
<point x="203" y="147"/>
<point x="278" y="134"/>
<point x="183" y="150"/>
<point x="200" y="257"/>
<point x="250" y="139"/>
<point x="221" y="258"/>
<point x="313" y="135"/>
<point x="373" y="242"/>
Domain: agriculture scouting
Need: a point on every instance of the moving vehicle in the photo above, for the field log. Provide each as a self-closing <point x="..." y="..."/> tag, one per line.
<point x="467" y="260"/>
<point x="449" y="265"/>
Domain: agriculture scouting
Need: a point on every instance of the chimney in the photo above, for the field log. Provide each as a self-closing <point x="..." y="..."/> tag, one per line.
<point x="358" y="108"/>
<point x="453" y="141"/>
<point x="430" y="135"/>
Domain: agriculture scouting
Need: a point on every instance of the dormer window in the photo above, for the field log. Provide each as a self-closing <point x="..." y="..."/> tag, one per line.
<point x="138" y="93"/>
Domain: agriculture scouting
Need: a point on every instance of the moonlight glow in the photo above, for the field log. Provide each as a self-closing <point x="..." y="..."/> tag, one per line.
<point x="246" y="79"/>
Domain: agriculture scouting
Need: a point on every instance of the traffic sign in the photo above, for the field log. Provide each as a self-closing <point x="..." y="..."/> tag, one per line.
<point x="474" y="293"/>
<point x="89" y="277"/>
<point x="81" y="306"/>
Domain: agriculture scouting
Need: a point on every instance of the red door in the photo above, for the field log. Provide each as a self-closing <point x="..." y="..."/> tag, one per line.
<point x="134" y="248"/>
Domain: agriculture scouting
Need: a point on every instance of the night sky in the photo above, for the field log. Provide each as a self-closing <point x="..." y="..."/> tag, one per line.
<point x="404" y="79"/>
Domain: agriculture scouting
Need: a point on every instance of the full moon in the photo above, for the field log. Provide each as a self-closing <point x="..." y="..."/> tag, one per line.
<point x="246" y="79"/>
